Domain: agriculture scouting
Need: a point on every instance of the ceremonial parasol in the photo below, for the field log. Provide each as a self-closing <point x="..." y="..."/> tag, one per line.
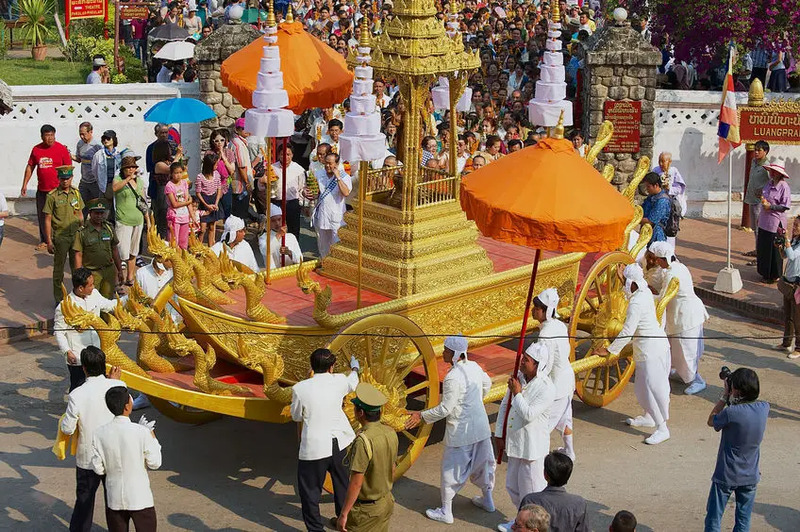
<point x="179" y="110"/>
<point x="176" y="51"/>
<point x="168" y="32"/>
<point x="546" y="197"/>
<point x="314" y="74"/>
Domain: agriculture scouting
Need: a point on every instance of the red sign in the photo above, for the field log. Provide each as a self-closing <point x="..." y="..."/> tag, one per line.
<point x="77" y="9"/>
<point x="130" y="11"/>
<point x="627" y="118"/>
<point x="774" y="126"/>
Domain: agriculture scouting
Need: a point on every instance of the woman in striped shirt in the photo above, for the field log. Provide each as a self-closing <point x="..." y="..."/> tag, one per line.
<point x="208" y="189"/>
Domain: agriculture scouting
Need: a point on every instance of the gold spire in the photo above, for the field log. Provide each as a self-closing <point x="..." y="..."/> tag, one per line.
<point x="556" y="12"/>
<point x="558" y="133"/>
<point x="271" y="15"/>
<point x="289" y="15"/>
<point x="364" y="39"/>
<point x="756" y="94"/>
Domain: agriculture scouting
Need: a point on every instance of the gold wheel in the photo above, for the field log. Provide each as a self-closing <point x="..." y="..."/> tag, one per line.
<point x="182" y="413"/>
<point x="388" y="347"/>
<point x="599" y="312"/>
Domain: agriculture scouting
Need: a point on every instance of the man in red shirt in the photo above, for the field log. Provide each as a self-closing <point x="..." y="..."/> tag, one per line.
<point x="45" y="157"/>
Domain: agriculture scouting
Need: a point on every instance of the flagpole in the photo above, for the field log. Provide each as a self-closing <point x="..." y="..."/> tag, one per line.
<point x="730" y="193"/>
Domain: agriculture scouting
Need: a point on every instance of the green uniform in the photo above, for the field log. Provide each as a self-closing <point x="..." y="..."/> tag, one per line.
<point x="64" y="208"/>
<point x="96" y="246"/>
<point x="373" y="453"/>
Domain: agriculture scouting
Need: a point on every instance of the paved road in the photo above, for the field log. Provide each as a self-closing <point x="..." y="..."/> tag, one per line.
<point x="238" y="475"/>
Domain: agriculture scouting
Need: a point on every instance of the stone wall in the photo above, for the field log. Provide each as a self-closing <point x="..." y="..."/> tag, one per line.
<point x="210" y="53"/>
<point x="619" y="65"/>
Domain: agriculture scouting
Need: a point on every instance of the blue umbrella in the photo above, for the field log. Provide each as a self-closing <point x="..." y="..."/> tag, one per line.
<point x="179" y="110"/>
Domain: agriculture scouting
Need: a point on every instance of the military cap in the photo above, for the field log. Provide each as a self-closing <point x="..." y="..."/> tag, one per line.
<point x="64" y="172"/>
<point x="368" y="397"/>
<point x="97" y="204"/>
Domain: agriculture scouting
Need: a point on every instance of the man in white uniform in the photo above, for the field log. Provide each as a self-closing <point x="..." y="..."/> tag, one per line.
<point x="685" y="316"/>
<point x="86" y="411"/>
<point x="326" y="433"/>
<point x="554" y="334"/>
<point x="291" y="250"/>
<point x="233" y="240"/>
<point x="527" y="438"/>
<point x="468" y="453"/>
<point x="650" y="352"/>
<point x="334" y="186"/>
<point x="71" y="341"/>
<point x="295" y="181"/>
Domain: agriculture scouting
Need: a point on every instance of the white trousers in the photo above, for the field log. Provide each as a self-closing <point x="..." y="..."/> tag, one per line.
<point x="687" y="348"/>
<point x="652" y="387"/>
<point x="469" y="462"/>
<point x="524" y="477"/>
<point x="325" y="239"/>
<point x="560" y="414"/>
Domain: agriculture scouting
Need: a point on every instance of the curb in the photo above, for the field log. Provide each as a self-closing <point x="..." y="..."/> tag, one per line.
<point x="738" y="306"/>
<point x="24" y="332"/>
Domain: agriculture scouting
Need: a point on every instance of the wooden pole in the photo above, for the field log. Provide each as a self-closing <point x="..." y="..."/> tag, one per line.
<point x="116" y="35"/>
<point x="268" y="256"/>
<point x="283" y="199"/>
<point x="363" y="171"/>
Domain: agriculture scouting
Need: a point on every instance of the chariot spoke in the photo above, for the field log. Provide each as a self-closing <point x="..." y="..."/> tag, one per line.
<point x="409" y="435"/>
<point x="608" y="378"/>
<point x="417" y="387"/>
<point x="598" y="288"/>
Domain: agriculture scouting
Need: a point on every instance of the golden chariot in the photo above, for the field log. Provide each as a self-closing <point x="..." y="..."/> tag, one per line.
<point x="388" y="294"/>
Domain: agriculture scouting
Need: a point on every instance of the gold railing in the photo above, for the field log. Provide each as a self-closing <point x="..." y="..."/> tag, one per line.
<point x="435" y="186"/>
<point x="387" y="185"/>
<point x="380" y="181"/>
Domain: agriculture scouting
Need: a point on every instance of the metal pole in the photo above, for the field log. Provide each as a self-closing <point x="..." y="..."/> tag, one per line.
<point x="521" y="340"/>
<point x="363" y="169"/>
<point x="268" y="186"/>
<point x="283" y="200"/>
<point x="730" y="192"/>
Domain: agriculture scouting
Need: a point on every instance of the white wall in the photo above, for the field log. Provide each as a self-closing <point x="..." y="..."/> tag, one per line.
<point x="686" y="125"/>
<point x="117" y="107"/>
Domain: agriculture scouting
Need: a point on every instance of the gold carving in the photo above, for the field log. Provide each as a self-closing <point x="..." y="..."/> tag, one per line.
<point x="254" y="289"/>
<point x="604" y="135"/>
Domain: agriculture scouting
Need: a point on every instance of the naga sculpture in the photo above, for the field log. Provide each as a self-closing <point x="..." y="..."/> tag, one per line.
<point x="254" y="289"/>
<point x="149" y="342"/>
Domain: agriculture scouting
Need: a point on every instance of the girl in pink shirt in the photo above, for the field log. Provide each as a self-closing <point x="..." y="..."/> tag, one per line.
<point x="178" y="204"/>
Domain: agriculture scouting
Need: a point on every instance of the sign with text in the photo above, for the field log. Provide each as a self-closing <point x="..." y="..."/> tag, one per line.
<point x="78" y="9"/>
<point x="626" y="117"/>
<point x="777" y="123"/>
<point x="133" y="10"/>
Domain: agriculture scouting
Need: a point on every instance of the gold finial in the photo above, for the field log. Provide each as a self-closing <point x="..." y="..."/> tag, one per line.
<point x="558" y="133"/>
<point x="756" y="94"/>
<point x="271" y="15"/>
<point x="364" y="39"/>
<point x="556" y="12"/>
<point x="289" y="15"/>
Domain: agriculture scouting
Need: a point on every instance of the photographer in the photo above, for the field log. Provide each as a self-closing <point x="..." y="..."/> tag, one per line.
<point x="742" y="420"/>
<point x="788" y="285"/>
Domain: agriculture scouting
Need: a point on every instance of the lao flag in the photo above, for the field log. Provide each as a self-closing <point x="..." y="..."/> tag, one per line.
<point x="728" y="129"/>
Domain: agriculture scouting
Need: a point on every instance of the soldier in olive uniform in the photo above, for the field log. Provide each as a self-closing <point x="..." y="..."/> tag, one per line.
<point x="95" y="248"/>
<point x="63" y="217"/>
<point x="369" y="502"/>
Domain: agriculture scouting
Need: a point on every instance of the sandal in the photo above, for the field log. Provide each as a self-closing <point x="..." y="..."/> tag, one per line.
<point x="751" y="254"/>
<point x="752" y="263"/>
<point x="41" y="247"/>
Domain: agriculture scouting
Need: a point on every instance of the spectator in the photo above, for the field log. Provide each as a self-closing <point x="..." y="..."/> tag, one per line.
<point x="656" y="206"/>
<point x="121" y="451"/>
<point x="63" y="216"/>
<point x="105" y="165"/>
<point x="178" y="206"/>
<point x="531" y="518"/>
<point x="99" y="71"/>
<point x="139" y="38"/>
<point x="788" y="285"/>
<point x="226" y="168"/>
<point x="623" y="521"/>
<point x="86" y="412"/>
<point x="567" y="511"/>
<point x="241" y="182"/>
<point x="206" y="32"/>
<point x="3" y="216"/>
<point x="295" y="181"/>
<point x="84" y="152"/>
<point x="45" y="158"/>
<point x="160" y="176"/>
<point x="752" y="196"/>
<point x="208" y="192"/>
<point x="742" y="420"/>
<point x="776" y="199"/>
<point x="192" y="22"/>
<point x="128" y="190"/>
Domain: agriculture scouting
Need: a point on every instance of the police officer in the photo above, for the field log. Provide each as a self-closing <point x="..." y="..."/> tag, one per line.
<point x="63" y="217"/>
<point x="369" y="502"/>
<point x="95" y="248"/>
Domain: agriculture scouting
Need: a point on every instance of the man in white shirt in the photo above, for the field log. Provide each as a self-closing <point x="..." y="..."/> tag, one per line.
<point x="334" y="186"/>
<point x="165" y="74"/>
<point x="527" y="438"/>
<point x="295" y="181"/>
<point x="650" y="353"/>
<point x="468" y="452"/>
<point x="553" y="332"/>
<point x="122" y="451"/>
<point x="381" y="98"/>
<point x="71" y="341"/>
<point x="99" y="69"/>
<point x="335" y="128"/>
<point x="289" y="249"/>
<point x="685" y="316"/>
<point x="86" y="411"/>
<point x="233" y="241"/>
<point x="326" y="433"/>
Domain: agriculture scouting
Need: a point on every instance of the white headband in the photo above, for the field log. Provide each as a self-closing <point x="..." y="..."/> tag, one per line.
<point x="458" y="345"/>
<point x="550" y="299"/>
<point x="274" y="210"/>
<point x="663" y="250"/>
<point x="232" y="225"/>
<point x="541" y="354"/>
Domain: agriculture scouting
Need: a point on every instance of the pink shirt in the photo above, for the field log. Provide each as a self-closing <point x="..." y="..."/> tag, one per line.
<point x="207" y="185"/>
<point x="181" y="192"/>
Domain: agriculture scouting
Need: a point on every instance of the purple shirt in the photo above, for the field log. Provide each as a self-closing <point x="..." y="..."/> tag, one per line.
<point x="775" y="194"/>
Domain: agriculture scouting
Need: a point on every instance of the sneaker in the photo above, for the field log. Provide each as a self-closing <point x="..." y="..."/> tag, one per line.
<point x="140" y="402"/>
<point x="437" y="514"/>
<point x="505" y="527"/>
<point x="641" y="421"/>
<point x="794" y="355"/>
<point x="782" y="347"/>
<point x="697" y="386"/>
<point x="657" y="437"/>
<point x="564" y="451"/>
<point x="480" y="502"/>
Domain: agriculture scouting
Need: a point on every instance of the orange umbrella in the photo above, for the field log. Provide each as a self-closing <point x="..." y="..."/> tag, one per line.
<point x="545" y="197"/>
<point x="314" y="74"/>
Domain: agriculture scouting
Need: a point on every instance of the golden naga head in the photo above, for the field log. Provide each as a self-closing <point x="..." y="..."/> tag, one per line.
<point x="228" y="271"/>
<point x="156" y="246"/>
<point x="76" y="317"/>
<point x="136" y="295"/>
<point x="604" y="135"/>
<point x="126" y="319"/>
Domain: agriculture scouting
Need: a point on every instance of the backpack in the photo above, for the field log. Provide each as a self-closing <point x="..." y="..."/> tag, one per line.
<point x="673" y="224"/>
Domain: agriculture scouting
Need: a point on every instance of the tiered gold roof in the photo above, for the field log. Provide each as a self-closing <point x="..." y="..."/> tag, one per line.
<point x="414" y="43"/>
